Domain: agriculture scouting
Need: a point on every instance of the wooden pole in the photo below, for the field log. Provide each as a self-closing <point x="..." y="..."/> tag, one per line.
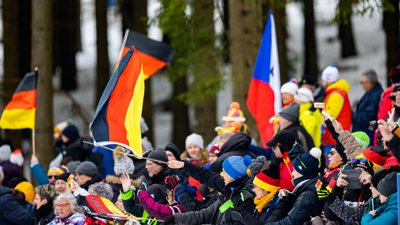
<point x="33" y="142"/>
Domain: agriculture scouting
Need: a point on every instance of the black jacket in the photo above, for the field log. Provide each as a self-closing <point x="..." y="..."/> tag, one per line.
<point x="160" y="177"/>
<point x="394" y="146"/>
<point x="319" y="93"/>
<point x="11" y="210"/>
<point x="190" y="203"/>
<point x="237" y="145"/>
<point x="77" y="149"/>
<point x="279" y="212"/>
<point x="46" y="219"/>
<point x="302" y="136"/>
<point x="95" y="179"/>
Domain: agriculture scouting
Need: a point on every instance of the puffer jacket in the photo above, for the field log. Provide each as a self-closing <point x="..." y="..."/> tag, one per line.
<point x="386" y="214"/>
<point x="350" y="143"/>
<point x="11" y="210"/>
<point x="302" y="136"/>
<point x="157" y="210"/>
<point x="394" y="144"/>
<point x="77" y="149"/>
<point x="337" y="104"/>
<point x="311" y="119"/>
<point x="10" y="171"/>
<point x="236" y="145"/>
<point x="385" y="105"/>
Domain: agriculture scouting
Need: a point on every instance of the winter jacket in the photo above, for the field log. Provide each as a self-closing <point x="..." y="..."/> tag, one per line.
<point x="367" y="110"/>
<point x="386" y="214"/>
<point x="46" y="219"/>
<point x="337" y="104"/>
<point x="160" y="177"/>
<point x="95" y="179"/>
<point x="74" y="219"/>
<point x="331" y="177"/>
<point x="10" y="171"/>
<point x="201" y="160"/>
<point x="267" y="152"/>
<point x="319" y="93"/>
<point x="385" y="105"/>
<point x="350" y="143"/>
<point x="11" y="210"/>
<point x="190" y="203"/>
<point x="394" y="144"/>
<point x="279" y="211"/>
<point x="77" y="149"/>
<point x="237" y="145"/>
<point x="157" y="210"/>
<point x="108" y="161"/>
<point x="39" y="174"/>
<point x="239" y="191"/>
<point x="311" y="119"/>
<point x="140" y="167"/>
<point x="130" y="204"/>
<point x="302" y="136"/>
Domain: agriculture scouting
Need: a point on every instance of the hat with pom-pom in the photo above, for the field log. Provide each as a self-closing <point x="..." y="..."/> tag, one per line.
<point x="308" y="163"/>
<point x="5" y="153"/>
<point x="123" y="164"/>
<point x="236" y="166"/>
<point x="330" y="74"/>
<point x="17" y="157"/>
<point x="268" y="179"/>
<point x="234" y="113"/>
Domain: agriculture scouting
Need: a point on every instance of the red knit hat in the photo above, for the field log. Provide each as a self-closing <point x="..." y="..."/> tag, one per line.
<point x="267" y="178"/>
<point x="214" y="150"/>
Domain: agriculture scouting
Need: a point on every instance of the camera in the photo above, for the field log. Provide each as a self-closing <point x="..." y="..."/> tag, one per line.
<point x="372" y="125"/>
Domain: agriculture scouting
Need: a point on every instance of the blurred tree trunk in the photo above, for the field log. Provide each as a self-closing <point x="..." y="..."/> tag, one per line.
<point x="346" y="36"/>
<point x="103" y="64"/>
<point x="279" y="12"/>
<point x="310" y="44"/>
<point x="42" y="38"/>
<point x="205" y="111"/>
<point x="225" y="37"/>
<point x="134" y="14"/>
<point x="391" y="26"/>
<point x="244" y="44"/>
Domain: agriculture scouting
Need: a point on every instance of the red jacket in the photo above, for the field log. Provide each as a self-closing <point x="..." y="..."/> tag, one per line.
<point x="386" y="103"/>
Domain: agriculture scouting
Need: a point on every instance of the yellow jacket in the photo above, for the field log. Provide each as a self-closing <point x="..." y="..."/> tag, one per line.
<point x="311" y="119"/>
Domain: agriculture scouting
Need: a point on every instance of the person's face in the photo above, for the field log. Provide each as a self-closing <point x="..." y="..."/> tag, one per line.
<point x="334" y="157"/>
<point x="119" y="203"/>
<point x="260" y="193"/>
<point x="227" y="179"/>
<point x="193" y="150"/>
<point x="383" y="198"/>
<point x="64" y="139"/>
<point x="52" y="177"/>
<point x="152" y="168"/>
<point x="296" y="174"/>
<point x="220" y="142"/>
<point x="284" y="122"/>
<point x="325" y="83"/>
<point x="374" y="191"/>
<point x="277" y="152"/>
<point x="82" y="178"/>
<point x="170" y="155"/>
<point x="367" y="85"/>
<point x="38" y="201"/>
<point x="212" y="157"/>
<point x="286" y="97"/>
<point x="60" y="186"/>
<point x="63" y="208"/>
<point x="308" y="86"/>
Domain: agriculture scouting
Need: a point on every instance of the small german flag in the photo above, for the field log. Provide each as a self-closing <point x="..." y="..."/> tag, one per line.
<point x="20" y="111"/>
<point x="154" y="54"/>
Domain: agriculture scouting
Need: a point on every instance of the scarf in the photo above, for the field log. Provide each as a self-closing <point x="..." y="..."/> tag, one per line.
<point x="44" y="210"/>
<point x="260" y="203"/>
<point x="335" y="165"/>
<point x="304" y="177"/>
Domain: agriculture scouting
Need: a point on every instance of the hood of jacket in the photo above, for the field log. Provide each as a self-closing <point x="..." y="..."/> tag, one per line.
<point x="237" y="142"/>
<point x="340" y="84"/>
<point x="4" y="190"/>
<point x="390" y="204"/>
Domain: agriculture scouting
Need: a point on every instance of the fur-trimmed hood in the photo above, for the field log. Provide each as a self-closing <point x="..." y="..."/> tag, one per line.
<point x="115" y="180"/>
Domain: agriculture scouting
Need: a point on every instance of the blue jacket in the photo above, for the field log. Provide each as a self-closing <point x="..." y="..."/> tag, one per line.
<point x="39" y="174"/>
<point x="11" y="210"/>
<point x="367" y="110"/>
<point x="108" y="161"/>
<point x="386" y="214"/>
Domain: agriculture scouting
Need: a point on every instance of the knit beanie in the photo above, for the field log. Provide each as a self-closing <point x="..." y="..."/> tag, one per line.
<point x="284" y="137"/>
<point x="308" y="163"/>
<point x="17" y="158"/>
<point x="363" y="163"/>
<point x="376" y="178"/>
<point x="194" y="139"/>
<point x="158" y="192"/>
<point x="388" y="185"/>
<point x="5" y="153"/>
<point x="340" y="149"/>
<point x="63" y="177"/>
<point x="289" y="87"/>
<point x="292" y="112"/>
<point x="123" y="164"/>
<point x="267" y="178"/>
<point x="159" y="154"/>
<point x="394" y="75"/>
<point x="306" y="80"/>
<point x="87" y="168"/>
<point x="363" y="138"/>
<point x="58" y="169"/>
<point x="61" y="126"/>
<point x="236" y="166"/>
<point x="143" y="126"/>
<point x="73" y="165"/>
<point x="304" y="95"/>
<point x="214" y="150"/>
<point x="377" y="155"/>
<point x="174" y="149"/>
<point x="330" y="74"/>
<point x="71" y="132"/>
<point x="27" y="189"/>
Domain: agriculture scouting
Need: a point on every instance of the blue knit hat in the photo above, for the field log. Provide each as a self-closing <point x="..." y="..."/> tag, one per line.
<point x="236" y="166"/>
<point x="307" y="163"/>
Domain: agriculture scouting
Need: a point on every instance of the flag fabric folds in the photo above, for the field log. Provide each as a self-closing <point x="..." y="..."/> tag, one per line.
<point x="154" y="54"/>
<point x="264" y="97"/>
<point x="118" y="113"/>
<point x="20" y="111"/>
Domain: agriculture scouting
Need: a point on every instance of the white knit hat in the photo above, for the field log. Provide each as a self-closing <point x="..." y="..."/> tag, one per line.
<point x="290" y="88"/>
<point x="195" y="139"/>
<point x="304" y="95"/>
<point x="330" y="73"/>
<point x="5" y="153"/>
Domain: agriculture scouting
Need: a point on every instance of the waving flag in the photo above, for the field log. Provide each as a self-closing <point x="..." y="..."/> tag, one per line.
<point x="20" y="111"/>
<point x="154" y="54"/>
<point x="118" y="113"/>
<point x="264" y="97"/>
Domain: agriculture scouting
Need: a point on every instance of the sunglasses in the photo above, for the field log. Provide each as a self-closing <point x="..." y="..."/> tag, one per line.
<point x="332" y="153"/>
<point x="61" y="205"/>
<point x="54" y="176"/>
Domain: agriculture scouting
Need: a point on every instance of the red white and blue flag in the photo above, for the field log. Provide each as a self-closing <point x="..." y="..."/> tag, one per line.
<point x="264" y="96"/>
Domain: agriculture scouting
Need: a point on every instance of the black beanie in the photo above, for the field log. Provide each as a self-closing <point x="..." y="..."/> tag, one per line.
<point x="71" y="132"/>
<point x="388" y="185"/>
<point x="340" y="149"/>
<point x="284" y="137"/>
<point x="158" y="193"/>
<point x="159" y="154"/>
<point x="363" y="163"/>
<point x="378" y="177"/>
<point x="63" y="177"/>
<point x="306" y="79"/>
<point x="175" y="150"/>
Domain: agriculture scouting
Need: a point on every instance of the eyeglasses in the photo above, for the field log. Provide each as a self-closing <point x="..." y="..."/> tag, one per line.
<point x="212" y="155"/>
<point x="149" y="164"/>
<point x="53" y="176"/>
<point x="332" y="153"/>
<point x="61" y="205"/>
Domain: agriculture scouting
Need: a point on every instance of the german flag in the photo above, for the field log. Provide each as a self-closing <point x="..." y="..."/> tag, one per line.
<point x="154" y="54"/>
<point x="20" y="111"/>
<point x="118" y="113"/>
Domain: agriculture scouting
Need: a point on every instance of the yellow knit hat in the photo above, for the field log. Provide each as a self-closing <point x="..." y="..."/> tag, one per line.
<point x="27" y="189"/>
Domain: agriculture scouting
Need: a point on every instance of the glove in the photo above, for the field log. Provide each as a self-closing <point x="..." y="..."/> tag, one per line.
<point x="180" y="190"/>
<point x="256" y="166"/>
<point x="144" y="184"/>
<point x="172" y="182"/>
<point x="323" y="193"/>
<point x="169" y="220"/>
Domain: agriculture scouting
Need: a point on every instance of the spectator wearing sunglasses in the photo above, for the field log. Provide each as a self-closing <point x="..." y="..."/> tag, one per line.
<point x="67" y="211"/>
<point x="40" y="175"/>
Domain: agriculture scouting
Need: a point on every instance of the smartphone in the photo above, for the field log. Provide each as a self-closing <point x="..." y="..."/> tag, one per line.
<point x="353" y="179"/>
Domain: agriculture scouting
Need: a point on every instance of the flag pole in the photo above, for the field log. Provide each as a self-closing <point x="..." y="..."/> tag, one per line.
<point x="33" y="132"/>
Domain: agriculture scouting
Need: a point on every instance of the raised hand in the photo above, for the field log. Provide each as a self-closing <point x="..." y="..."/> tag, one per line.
<point x="365" y="178"/>
<point x="341" y="182"/>
<point x="126" y="182"/>
<point x="34" y="159"/>
<point x="338" y="126"/>
<point x="172" y="182"/>
<point x="385" y="130"/>
<point x="74" y="186"/>
<point x="390" y="121"/>
<point x="175" y="164"/>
